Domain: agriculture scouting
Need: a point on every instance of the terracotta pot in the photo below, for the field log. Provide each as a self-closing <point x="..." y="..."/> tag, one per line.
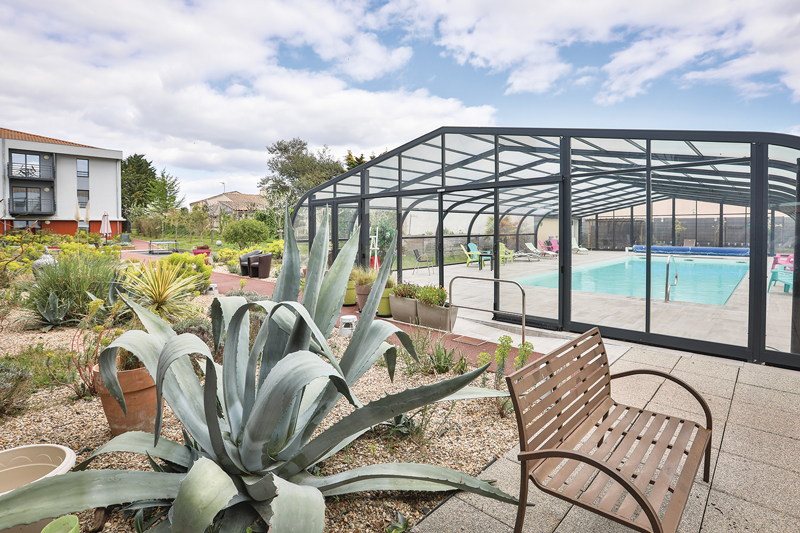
<point x="26" y="464"/>
<point x="139" y="390"/>
<point x="403" y="309"/>
<point x="433" y="316"/>
<point x="350" y="295"/>
<point x="384" y="307"/>
<point x="362" y="293"/>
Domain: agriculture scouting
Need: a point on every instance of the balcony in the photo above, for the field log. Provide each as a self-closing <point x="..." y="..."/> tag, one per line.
<point x="42" y="206"/>
<point x="31" y="171"/>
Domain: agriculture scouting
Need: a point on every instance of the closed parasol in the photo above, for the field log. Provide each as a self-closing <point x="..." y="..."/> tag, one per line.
<point x="105" y="226"/>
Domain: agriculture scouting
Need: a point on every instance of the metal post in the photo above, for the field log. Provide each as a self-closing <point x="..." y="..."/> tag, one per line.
<point x="673" y="221"/>
<point x="795" y="347"/>
<point x="649" y="238"/>
<point x="721" y="225"/>
<point x="759" y="190"/>
<point x="633" y="237"/>
<point x="497" y="222"/>
<point x="596" y="232"/>
<point x="565" y="214"/>
<point x="772" y="233"/>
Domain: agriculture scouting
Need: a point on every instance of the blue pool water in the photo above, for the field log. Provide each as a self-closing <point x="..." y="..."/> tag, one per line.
<point x="703" y="281"/>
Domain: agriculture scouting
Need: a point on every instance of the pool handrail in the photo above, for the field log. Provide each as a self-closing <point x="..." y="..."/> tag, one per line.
<point x="495" y="280"/>
<point x="668" y="286"/>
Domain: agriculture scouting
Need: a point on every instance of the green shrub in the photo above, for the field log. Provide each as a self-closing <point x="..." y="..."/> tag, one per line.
<point x="364" y="277"/>
<point x="246" y="232"/>
<point x="275" y="248"/>
<point x="190" y="264"/>
<point x="234" y="267"/>
<point x="432" y="295"/>
<point x="406" y="290"/>
<point x="226" y="255"/>
<point x="70" y="279"/>
<point x="14" y="389"/>
<point x="48" y="367"/>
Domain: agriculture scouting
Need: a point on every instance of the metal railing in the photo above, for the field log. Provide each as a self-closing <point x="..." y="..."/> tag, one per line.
<point x="494" y="280"/>
<point x="668" y="286"/>
<point x="30" y="171"/>
<point x="17" y="206"/>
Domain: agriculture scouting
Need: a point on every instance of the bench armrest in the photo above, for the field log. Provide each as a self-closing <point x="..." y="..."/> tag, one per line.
<point x="689" y="388"/>
<point x="632" y="489"/>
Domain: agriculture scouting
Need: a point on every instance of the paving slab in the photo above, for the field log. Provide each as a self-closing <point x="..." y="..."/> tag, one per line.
<point x="776" y="450"/>
<point x="718" y="368"/>
<point x="758" y="483"/>
<point x="752" y="415"/>
<point x="635" y="391"/>
<point x="456" y="516"/>
<point x="672" y="399"/>
<point x="652" y="357"/>
<point x="545" y="514"/>
<point x="785" y="401"/>
<point x="705" y="384"/>
<point x="725" y="513"/>
<point x="770" y="378"/>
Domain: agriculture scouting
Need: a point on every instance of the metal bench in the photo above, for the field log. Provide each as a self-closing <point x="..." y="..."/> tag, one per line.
<point x="633" y="466"/>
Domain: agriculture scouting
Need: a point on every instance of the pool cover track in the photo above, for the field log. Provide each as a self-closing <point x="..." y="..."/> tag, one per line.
<point x="608" y="189"/>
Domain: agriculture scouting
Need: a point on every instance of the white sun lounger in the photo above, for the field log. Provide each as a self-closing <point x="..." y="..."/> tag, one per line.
<point x="540" y="253"/>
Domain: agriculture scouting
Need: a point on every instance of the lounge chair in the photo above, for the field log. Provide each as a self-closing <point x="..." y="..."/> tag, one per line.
<point x="576" y="248"/>
<point x="259" y="265"/>
<point x="472" y="257"/>
<point x="539" y="253"/>
<point x="422" y="259"/>
<point x="473" y="248"/>
<point x="506" y="255"/>
<point x="784" y="274"/>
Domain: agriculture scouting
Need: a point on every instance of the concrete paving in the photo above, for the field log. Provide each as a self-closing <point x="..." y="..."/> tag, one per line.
<point x="755" y="467"/>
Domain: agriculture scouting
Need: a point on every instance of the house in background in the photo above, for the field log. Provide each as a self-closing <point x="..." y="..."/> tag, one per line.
<point x="234" y="204"/>
<point x="45" y="181"/>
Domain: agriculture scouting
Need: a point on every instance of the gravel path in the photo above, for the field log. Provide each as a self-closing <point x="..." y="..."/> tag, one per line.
<point x="464" y="435"/>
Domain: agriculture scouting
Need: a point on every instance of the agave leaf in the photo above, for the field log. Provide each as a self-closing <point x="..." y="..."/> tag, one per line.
<point x="153" y="323"/>
<point x="78" y="491"/>
<point x="175" y="348"/>
<point x="226" y="454"/>
<point x="141" y="442"/>
<point x="355" y="366"/>
<point x="237" y="518"/>
<point x="297" y="508"/>
<point x="471" y="393"/>
<point x="317" y="261"/>
<point x="280" y="389"/>
<point x="234" y="365"/>
<point x="205" y="491"/>
<point x="334" y="286"/>
<point x="371" y="414"/>
<point x="404" y="476"/>
<point x="288" y="286"/>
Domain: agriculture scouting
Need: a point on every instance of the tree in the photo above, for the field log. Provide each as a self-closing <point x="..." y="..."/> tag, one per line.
<point x="164" y="191"/>
<point x="198" y="221"/>
<point x="295" y="169"/>
<point x="246" y="232"/>
<point x="352" y="161"/>
<point x="137" y="176"/>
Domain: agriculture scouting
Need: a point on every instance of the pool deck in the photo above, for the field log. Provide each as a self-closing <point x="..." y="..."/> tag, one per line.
<point x="718" y="323"/>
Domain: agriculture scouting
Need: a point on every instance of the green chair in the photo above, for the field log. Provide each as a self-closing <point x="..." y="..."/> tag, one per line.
<point x="473" y="249"/>
<point x="472" y="257"/>
<point x="783" y="275"/>
<point x="506" y="255"/>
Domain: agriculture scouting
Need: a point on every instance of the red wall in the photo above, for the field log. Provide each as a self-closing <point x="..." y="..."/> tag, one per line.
<point x="69" y="227"/>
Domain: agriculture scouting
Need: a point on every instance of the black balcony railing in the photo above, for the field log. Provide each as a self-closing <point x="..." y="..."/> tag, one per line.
<point x="29" y="171"/>
<point x="21" y="206"/>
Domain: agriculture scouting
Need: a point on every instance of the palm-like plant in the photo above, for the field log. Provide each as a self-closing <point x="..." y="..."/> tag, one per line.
<point x="249" y="428"/>
<point x="159" y="287"/>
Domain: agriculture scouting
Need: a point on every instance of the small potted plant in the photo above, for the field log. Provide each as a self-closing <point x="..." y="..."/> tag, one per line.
<point x="350" y="295"/>
<point x="363" y="278"/>
<point x="433" y="309"/>
<point x="403" y="303"/>
<point x="202" y="249"/>
<point x="139" y="390"/>
<point x="384" y="307"/>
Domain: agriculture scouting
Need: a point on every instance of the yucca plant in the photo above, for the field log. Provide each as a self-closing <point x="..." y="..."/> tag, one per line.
<point x="250" y="429"/>
<point x="159" y="287"/>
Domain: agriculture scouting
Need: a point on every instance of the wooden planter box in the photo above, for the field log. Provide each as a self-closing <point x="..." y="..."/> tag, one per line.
<point x="435" y="317"/>
<point x="403" y="309"/>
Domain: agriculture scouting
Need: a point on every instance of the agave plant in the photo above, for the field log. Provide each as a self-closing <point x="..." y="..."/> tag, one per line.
<point x="52" y="312"/>
<point x="159" y="287"/>
<point x="251" y="430"/>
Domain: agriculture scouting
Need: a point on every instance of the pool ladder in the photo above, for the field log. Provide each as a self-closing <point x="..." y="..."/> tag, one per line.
<point x="668" y="286"/>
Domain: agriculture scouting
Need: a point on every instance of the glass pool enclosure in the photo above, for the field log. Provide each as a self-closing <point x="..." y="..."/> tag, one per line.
<point x="587" y="221"/>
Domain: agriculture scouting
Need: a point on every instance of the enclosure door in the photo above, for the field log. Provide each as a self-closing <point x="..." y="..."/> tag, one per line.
<point x="345" y="223"/>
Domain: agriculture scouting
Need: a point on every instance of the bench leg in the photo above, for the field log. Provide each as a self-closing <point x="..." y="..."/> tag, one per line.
<point x="523" y="497"/>
<point x="707" y="467"/>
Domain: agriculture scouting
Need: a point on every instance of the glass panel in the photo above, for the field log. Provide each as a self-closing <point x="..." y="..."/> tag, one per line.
<point x="711" y="252"/>
<point x="469" y="159"/>
<point x="382" y="227"/>
<point x="420" y="217"/>
<point x="34" y="199"/>
<point x="83" y="168"/>
<point x="301" y="228"/>
<point x="83" y="198"/>
<point x="20" y="199"/>
<point x="349" y="186"/>
<point x="383" y="176"/>
<point x="347" y="223"/>
<point x="525" y="157"/>
<point x="422" y="165"/>
<point x="526" y="215"/>
<point x="608" y="284"/>
<point x="783" y="199"/>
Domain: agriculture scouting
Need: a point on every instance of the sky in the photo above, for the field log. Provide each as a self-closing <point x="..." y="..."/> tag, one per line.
<point x="203" y="87"/>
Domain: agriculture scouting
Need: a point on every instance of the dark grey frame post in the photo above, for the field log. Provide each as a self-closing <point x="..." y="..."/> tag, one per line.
<point x="565" y="228"/>
<point x="497" y="221"/>
<point x="795" y="335"/>
<point x="759" y="191"/>
<point x="649" y="238"/>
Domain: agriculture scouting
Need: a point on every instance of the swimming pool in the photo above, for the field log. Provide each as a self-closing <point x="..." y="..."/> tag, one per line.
<point x="702" y="281"/>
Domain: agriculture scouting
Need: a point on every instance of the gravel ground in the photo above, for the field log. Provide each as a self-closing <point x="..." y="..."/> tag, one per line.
<point x="464" y="435"/>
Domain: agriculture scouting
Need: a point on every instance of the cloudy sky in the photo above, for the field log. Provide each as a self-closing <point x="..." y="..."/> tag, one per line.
<point x="202" y="87"/>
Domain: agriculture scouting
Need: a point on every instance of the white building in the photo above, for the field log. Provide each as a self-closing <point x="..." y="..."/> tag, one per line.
<point x="48" y="183"/>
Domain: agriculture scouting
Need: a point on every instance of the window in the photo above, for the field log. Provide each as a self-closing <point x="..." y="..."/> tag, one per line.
<point x="83" y="177"/>
<point x="26" y="199"/>
<point x="25" y="165"/>
<point x="23" y="224"/>
<point x="83" y="198"/>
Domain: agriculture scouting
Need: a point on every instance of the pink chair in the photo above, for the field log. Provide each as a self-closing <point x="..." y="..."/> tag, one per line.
<point x="545" y="247"/>
<point x="554" y="244"/>
<point x="782" y="259"/>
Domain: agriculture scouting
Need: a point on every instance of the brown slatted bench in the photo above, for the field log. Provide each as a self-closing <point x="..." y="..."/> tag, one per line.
<point x="632" y="466"/>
